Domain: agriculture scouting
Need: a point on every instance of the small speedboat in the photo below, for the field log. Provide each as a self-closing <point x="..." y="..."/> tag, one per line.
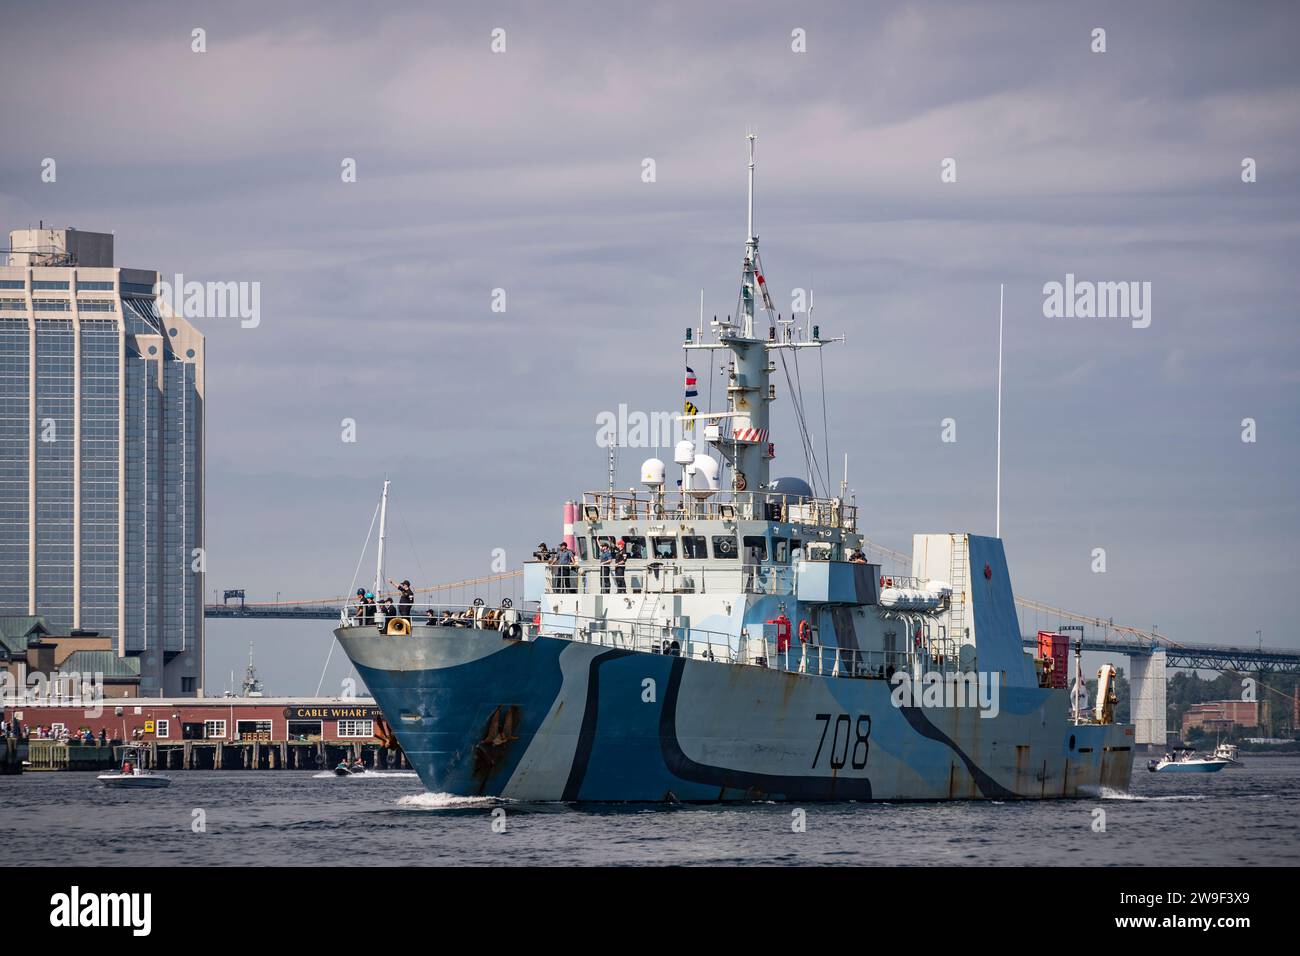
<point x="1186" y="761"/>
<point x="131" y="776"/>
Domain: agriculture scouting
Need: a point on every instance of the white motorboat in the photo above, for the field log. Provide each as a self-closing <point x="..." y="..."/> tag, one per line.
<point x="132" y="776"/>
<point x="1186" y="761"/>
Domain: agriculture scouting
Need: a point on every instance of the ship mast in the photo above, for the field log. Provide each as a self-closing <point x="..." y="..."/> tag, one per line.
<point x="751" y="249"/>
<point x="383" y="525"/>
<point x="741" y="433"/>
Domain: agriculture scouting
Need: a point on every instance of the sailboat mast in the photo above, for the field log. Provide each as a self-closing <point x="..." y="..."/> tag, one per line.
<point x="383" y="529"/>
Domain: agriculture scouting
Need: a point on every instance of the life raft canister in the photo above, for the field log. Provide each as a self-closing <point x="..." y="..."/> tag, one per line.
<point x="398" y="627"/>
<point x="805" y="632"/>
<point x="782" y="631"/>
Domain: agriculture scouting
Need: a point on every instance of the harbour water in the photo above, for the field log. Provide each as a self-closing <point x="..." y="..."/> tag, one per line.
<point x="1248" y="816"/>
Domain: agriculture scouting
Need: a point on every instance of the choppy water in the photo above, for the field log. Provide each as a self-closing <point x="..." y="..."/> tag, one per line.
<point x="1240" y="816"/>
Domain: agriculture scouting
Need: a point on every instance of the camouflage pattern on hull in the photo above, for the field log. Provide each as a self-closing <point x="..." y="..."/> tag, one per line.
<point x="555" y="719"/>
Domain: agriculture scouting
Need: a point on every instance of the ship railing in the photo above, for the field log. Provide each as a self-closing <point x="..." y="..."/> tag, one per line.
<point x="825" y="661"/>
<point x="479" y="615"/>
<point x="903" y="581"/>
<point x="652" y="636"/>
<point x="667" y="577"/>
<point x="746" y="505"/>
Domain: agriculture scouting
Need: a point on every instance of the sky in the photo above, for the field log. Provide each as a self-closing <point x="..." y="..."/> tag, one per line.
<point x="523" y="170"/>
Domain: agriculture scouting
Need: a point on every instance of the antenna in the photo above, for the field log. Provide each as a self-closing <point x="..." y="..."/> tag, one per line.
<point x="751" y="136"/>
<point x="998" y="493"/>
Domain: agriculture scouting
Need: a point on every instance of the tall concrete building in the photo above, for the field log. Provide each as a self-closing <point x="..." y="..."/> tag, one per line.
<point x="101" y="455"/>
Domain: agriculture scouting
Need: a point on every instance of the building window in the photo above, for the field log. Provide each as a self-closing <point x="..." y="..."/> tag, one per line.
<point x="95" y="305"/>
<point x="304" y="730"/>
<point x="13" y="283"/>
<point x="13" y="305"/>
<point x="253" y="730"/>
<point x="137" y="288"/>
<point x="162" y="729"/>
<point x="50" y="305"/>
<point x="187" y="685"/>
<point x="214" y="728"/>
<point x="96" y="286"/>
<point x="49" y="284"/>
<point x="356" y="728"/>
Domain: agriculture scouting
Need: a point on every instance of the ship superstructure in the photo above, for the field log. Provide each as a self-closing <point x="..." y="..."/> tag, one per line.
<point x="723" y="638"/>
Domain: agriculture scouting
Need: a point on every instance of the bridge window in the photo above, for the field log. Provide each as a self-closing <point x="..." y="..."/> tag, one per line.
<point x="693" y="546"/>
<point x="755" y="548"/>
<point x="582" y="548"/>
<point x="634" y="545"/>
<point x="724" y="546"/>
<point x="780" y="550"/>
<point x="664" y="547"/>
<point x="796" y="550"/>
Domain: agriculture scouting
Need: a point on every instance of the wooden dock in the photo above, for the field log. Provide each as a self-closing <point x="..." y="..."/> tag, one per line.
<point x="12" y="755"/>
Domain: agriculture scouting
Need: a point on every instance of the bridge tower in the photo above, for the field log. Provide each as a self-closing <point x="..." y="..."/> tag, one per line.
<point x="1146" y="688"/>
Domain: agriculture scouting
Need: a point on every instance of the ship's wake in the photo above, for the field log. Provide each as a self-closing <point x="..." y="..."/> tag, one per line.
<point x="1109" y="793"/>
<point x="446" y="801"/>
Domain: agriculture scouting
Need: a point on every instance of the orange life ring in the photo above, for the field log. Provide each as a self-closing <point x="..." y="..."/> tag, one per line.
<point x="805" y="632"/>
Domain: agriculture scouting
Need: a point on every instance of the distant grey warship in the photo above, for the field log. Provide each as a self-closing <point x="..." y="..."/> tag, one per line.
<point x="746" y="651"/>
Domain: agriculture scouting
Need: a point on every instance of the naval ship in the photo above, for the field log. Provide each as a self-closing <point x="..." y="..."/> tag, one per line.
<point x="741" y="648"/>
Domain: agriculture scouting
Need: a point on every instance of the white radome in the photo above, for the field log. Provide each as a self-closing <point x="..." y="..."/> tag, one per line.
<point x="704" y="480"/>
<point x="652" y="472"/>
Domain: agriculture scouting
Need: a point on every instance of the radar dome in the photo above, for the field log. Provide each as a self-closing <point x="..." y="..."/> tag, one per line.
<point x="684" y="453"/>
<point x="792" y="488"/>
<point x="704" y="478"/>
<point x="652" y="472"/>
